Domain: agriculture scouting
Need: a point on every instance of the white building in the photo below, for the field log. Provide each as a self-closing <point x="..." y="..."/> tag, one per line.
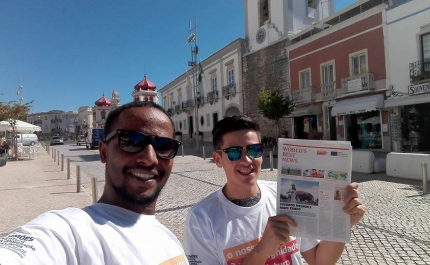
<point x="408" y="72"/>
<point x="219" y="93"/>
<point x="101" y="109"/>
<point x="55" y="122"/>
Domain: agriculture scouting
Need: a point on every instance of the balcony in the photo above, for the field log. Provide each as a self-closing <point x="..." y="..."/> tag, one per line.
<point x="178" y="108"/>
<point x="170" y="111"/>
<point x="188" y="104"/>
<point x="420" y="71"/>
<point x="303" y="95"/>
<point x="56" y="120"/>
<point x="328" y="91"/>
<point x="212" y="96"/>
<point x="200" y="100"/>
<point x="358" y="83"/>
<point x="229" y="90"/>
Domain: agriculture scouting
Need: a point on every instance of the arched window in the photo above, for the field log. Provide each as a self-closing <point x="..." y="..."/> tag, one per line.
<point x="103" y="115"/>
<point x="146" y="98"/>
<point x="151" y="99"/>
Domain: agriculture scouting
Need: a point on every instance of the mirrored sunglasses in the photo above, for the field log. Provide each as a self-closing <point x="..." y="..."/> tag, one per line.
<point x="133" y="142"/>
<point x="234" y="153"/>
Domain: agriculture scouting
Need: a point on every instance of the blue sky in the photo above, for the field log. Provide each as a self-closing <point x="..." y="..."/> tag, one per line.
<point x="68" y="53"/>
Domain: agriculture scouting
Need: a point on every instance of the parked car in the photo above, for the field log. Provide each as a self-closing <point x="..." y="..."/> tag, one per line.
<point x="56" y="140"/>
<point x="81" y="140"/>
<point x="28" y="139"/>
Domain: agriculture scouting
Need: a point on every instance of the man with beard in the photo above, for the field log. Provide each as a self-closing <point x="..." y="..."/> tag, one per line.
<point x="121" y="228"/>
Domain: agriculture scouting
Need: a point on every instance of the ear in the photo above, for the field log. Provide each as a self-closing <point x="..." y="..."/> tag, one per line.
<point x="103" y="151"/>
<point x="217" y="158"/>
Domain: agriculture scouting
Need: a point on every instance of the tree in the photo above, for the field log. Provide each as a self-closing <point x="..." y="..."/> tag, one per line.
<point x="12" y="111"/>
<point x="274" y="106"/>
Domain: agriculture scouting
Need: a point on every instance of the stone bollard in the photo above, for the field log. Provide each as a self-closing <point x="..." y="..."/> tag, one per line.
<point x="204" y="153"/>
<point x="425" y="179"/>
<point x="68" y="168"/>
<point x="182" y="150"/>
<point x="271" y="160"/>
<point x="62" y="162"/>
<point x="78" y="178"/>
<point x="95" y="191"/>
<point x="58" y="157"/>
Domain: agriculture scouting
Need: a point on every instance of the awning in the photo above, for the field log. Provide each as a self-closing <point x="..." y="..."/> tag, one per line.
<point x="305" y="112"/>
<point x="407" y="100"/>
<point x="358" y="105"/>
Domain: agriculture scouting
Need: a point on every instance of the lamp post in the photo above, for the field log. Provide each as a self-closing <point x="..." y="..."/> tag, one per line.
<point x="192" y="40"/>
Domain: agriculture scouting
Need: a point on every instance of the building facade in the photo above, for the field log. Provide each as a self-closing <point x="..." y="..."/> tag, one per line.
<point x="338" y="78"/>
<point x="206" y="93"/>
<point x="55" y="122"/>
<point x="408" y="68"/>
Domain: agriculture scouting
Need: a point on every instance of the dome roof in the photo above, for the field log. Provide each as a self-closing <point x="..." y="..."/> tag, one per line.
<point x="145" y="84"/>
<point x="103" y="102"/>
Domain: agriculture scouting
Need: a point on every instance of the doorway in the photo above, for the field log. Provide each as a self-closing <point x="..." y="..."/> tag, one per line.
<point x="214" y="119"/>
<point x="191" y="126"/>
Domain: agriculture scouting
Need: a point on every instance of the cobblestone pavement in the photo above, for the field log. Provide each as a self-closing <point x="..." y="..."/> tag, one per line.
<point x="395" y="229"/>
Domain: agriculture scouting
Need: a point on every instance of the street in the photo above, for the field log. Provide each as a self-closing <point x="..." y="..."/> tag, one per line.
<point x="394" y="231"/>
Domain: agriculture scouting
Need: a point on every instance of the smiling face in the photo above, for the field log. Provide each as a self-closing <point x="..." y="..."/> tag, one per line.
<point x="134" y="180"/>
<point x="241" y="175"/>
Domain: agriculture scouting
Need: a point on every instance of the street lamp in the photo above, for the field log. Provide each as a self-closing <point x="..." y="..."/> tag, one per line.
<point x="192" y="39"/>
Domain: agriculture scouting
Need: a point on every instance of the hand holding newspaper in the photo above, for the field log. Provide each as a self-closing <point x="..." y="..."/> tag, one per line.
<point x="312" y="177"/>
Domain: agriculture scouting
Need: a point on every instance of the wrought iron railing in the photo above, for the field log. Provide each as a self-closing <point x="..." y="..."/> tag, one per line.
<point x="303" y="95"/>
<point x="420" y="70"/>
<point x="357" y="83"/>
<point x="328" y="91"/>
<point x="229" y="89"/>
<point x="170" y="111"/>
<point x="211" y="96"/>
<point x="188" y="104"/>
<point x="178" y="108"/>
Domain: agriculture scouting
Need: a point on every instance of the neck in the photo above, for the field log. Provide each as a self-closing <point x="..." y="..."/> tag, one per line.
<point x="146" y="210"/>
<point x="239" y="193"/>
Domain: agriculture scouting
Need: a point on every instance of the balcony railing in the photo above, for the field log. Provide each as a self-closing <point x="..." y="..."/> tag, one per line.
<point x="211" y="96"/>
<point x="188" y="104"/>
<point x="200" y="100"/>
<point x="420" y="70"/>
<point x="328" y="91"/>
<point x="303" y="95"/>
<point x="229" y="90"/>
<point x="358" y="83"/>
<point x="170" y="111"/>
<point x="178" y="108"/>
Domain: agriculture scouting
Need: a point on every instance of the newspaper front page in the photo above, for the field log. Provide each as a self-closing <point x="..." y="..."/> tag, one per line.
<point x="312" y="177"/>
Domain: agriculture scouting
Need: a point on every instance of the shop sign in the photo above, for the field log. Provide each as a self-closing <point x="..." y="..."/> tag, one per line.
<point x="419" y="89"/>
<point x="354" y="85"/>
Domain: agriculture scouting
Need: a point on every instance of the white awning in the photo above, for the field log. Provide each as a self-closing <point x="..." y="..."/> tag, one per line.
<point x="305" y="112"/>
<point x="407" y="100"/>
<point x="358" y="105"/>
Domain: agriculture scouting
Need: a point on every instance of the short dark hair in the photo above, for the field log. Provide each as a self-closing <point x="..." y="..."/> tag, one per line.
<point x="134" y="104"/>
<point x="232" y="124"/>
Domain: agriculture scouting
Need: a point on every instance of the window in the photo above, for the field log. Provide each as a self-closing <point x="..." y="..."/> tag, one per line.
<point x="305" y="78"/>
<point x="103" y="115"/>
<point x="327" y="73"/>
<point x="230" y="74"/>
<point x="358" y="62"/>
<point x="151" y="99"/>
<point x="214" y="84"/>
<point x="425" y="45"/>
<point x="264" y="11"/>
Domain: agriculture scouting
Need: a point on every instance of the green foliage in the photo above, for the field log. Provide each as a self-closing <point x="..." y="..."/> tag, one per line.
<point x="14" y="110"/>
<point x="274" y="106"/>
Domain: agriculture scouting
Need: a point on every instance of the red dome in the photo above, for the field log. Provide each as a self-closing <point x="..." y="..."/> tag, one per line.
<point x="103" y="102"/>
<point x="145" y="84"/>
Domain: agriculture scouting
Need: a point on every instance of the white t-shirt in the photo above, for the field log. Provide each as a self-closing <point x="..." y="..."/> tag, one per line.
<point x="218" y="231"/>
<point x="97" y="234"/>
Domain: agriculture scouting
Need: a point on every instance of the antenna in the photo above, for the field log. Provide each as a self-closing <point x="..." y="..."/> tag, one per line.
<point x="20" y="87"/>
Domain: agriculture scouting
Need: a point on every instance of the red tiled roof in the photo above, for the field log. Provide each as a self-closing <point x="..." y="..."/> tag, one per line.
<point x="103" y="101"/>
<point x="145" y="84"/>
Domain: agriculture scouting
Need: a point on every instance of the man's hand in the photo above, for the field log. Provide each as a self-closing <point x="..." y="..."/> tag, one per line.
<point x="276" y="233"/>
<point x="354" y="206"/>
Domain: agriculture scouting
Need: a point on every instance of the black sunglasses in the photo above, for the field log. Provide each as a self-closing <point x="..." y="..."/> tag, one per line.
<point x="133" y="142"/>
<point x="234" y="153"/>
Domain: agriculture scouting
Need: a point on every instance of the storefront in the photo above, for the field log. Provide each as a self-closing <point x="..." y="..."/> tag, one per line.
<point x="361" y="121"/>
<point x="410" y="120"/>
<point x="306" y="123"/>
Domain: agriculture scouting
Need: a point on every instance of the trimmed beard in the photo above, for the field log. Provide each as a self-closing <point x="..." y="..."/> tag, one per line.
<point x="137" y="200"/>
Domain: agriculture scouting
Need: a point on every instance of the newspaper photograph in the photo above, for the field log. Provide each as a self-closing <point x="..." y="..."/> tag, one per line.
<point x="312" y="177"/>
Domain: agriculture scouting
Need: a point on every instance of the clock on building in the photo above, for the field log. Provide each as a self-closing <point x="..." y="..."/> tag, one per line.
<point x="261" y="35"/>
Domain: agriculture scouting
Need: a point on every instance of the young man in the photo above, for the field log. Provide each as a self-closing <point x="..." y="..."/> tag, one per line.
<point x="120" y="228"/>
<point x="238" y="224"/>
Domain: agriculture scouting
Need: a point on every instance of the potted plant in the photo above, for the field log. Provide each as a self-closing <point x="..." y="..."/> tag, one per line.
<point x="178" y="135"/>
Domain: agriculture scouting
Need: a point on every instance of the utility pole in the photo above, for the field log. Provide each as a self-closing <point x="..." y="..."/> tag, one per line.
<point x="192" y="40"/>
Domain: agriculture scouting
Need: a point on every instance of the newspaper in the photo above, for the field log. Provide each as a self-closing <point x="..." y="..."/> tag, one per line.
<point x="312" y="177"/>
